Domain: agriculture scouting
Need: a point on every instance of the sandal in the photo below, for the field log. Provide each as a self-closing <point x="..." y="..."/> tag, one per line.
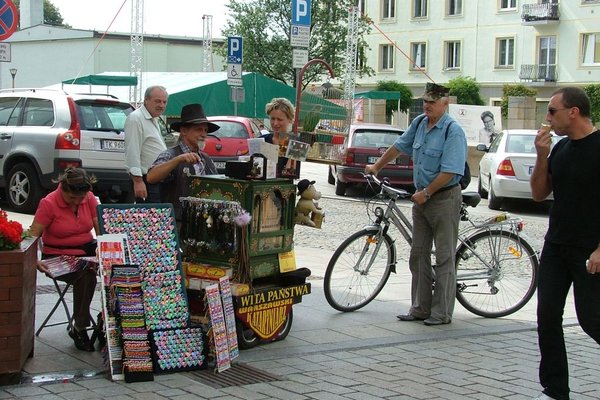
<point x="81" y="339"/>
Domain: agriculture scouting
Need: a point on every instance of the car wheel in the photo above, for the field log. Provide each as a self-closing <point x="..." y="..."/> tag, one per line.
<point x="482" y="192"/>
<point x="330" y="177"/>
<point x="340" y="188"/>
<point x="24" y="191"/>
<point x="494" y="202"/>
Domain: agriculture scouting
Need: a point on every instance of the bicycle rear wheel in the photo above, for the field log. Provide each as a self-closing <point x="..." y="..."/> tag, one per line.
<point x="496" y="273"/>
<point x="358" y="270"/>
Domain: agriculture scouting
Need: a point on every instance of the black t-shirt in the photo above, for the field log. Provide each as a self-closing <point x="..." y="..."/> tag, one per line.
<point x="575" y="214"/>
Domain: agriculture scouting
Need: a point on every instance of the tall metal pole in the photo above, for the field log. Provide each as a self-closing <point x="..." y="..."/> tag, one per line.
<point x="299" y="87"/>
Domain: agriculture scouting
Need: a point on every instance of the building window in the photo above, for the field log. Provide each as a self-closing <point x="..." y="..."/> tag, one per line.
<point x="547" y="58"/>
<point x="505" y="56"/>
<point x="508" y="4"/>
<point x="454" y="7"/>
<point x="389" y="9"/>
<point x="361" y="5"/>
<point x="418" y="52"/>
<point x="590" y="49"/>
<point x="452" y="55"/>
<point x="386" y="52"/>
<point x="419" y="8"/>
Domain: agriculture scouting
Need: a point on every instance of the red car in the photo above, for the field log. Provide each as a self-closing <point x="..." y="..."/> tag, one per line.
<point x="231" y="139"/>
<point x="364" y="145"/>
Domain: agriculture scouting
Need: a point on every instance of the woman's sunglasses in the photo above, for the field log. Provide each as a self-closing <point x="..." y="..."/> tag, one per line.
<point x="79" y="187"/>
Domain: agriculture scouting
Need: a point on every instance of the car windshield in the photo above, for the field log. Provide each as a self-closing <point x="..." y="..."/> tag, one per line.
<point x="374" y="138"/>
<point x="230" y="130"/>
<point x="102" y="116"/>
<point x="524" y="143"/>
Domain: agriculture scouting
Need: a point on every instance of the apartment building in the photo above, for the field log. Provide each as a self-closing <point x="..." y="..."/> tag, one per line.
<point x="545" y="44"/>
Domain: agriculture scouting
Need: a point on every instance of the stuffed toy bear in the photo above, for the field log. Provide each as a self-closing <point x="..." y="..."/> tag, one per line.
<point x="307" y="203"/>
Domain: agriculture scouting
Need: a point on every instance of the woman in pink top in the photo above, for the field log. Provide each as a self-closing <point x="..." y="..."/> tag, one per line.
<point x="65" y="219"/>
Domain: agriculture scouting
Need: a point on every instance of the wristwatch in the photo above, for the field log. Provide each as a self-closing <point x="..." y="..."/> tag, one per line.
<point x="427" y="195"/>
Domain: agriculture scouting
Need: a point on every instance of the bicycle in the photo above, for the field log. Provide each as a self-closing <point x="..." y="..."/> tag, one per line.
<point x="496" y="266"/>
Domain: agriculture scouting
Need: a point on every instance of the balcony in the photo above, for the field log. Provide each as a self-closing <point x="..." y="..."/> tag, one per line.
<point x="538" y="73"/>
<point x="540" y="14"/>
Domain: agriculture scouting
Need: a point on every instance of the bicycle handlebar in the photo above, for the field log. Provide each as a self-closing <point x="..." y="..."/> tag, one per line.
<point x="385" y="186"/>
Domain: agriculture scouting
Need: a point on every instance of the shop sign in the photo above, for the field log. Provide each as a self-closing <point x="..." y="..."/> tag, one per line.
<point x="265" y="312"/>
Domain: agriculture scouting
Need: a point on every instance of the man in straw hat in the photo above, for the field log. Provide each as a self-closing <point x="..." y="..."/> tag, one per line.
<point x="186" y="158"/>
<point x="438" y="147"/>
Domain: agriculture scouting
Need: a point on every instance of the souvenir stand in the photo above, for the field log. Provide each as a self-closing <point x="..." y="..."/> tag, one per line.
<point x="243" y="229"/>
<point x="145" y="309"/>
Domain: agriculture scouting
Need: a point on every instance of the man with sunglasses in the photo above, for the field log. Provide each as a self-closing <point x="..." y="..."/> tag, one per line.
<point x="571" y="252"/>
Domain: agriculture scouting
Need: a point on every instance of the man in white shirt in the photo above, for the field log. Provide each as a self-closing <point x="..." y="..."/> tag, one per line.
<point x="144" y="142"/>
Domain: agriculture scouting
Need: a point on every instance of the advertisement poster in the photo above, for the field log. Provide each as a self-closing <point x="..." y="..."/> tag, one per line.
<point x="480" y="123"/>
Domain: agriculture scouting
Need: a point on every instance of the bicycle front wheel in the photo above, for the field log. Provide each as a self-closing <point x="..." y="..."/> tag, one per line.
<point x="358" y="270"/>
<point x="496" y="273"/>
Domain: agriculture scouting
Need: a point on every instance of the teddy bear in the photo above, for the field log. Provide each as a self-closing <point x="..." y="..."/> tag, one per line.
<point x="307" y="203"/>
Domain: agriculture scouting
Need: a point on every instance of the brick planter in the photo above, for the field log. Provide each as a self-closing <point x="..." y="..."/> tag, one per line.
<point x="17" y="309"/>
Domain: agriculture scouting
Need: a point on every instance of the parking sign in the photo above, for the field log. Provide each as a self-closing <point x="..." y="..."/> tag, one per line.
<point x="235" y="54"/>
<point x="301" y="12"/>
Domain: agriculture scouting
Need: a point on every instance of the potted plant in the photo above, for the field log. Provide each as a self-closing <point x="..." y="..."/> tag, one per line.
<point x="18" y="272"/>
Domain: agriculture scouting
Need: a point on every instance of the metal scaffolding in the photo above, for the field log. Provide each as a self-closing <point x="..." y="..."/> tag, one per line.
<point x="207" y="55"/>
<point x="350" y="58"/>
<point x="136" y="50"/>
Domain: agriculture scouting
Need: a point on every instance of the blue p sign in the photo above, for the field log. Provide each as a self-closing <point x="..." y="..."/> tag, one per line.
<point x="235" y="54"/>
<point x="301" y="12"/>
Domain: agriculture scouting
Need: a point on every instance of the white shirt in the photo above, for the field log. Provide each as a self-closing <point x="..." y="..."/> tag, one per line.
<point x="143" y="141"/>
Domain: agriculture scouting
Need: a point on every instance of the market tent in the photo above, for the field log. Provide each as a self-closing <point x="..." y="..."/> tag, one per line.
<point x="105" y="80"/>
<point x="215" y="96"/>
<point x="378" y="95"/>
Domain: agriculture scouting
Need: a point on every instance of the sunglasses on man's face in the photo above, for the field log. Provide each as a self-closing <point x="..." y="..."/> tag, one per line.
<point x="552" y="110"/>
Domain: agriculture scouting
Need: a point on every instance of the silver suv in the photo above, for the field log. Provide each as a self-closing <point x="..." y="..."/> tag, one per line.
<point x="44" y="131"/>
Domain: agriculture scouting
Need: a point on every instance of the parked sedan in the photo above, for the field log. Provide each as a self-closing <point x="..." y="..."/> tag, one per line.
<point x="506" y="166"/>
<point x="364" y="145"/>
<point x="231" y="139"/>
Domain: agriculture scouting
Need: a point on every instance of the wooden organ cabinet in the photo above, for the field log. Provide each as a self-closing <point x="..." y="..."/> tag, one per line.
<point x="271" y="205"/>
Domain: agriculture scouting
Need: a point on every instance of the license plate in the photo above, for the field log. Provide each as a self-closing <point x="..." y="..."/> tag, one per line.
<point x="373" y="160"/>
<point x="115" y="145"/>
<point x="220" y="164"/>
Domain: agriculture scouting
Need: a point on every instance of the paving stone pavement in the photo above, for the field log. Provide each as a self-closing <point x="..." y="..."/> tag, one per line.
<point x="329" y="355"/>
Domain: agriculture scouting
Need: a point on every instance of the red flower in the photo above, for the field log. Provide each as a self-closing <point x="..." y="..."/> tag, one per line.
<point x="11" y="232"/>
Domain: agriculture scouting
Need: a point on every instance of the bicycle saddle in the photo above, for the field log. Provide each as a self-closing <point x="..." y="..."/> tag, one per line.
<point x="471" y="198"/>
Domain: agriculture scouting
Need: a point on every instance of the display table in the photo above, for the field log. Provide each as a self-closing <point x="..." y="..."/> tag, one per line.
<point x="17" y="309"/>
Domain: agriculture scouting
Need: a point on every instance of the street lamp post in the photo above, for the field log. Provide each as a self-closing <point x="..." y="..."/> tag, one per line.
<point x="13" y="72"/>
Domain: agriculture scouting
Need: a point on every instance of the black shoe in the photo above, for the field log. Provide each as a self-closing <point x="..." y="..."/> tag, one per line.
<point x="408" y="317"/>
<point x="434" y="321"/>
<point x="81" y="339"/>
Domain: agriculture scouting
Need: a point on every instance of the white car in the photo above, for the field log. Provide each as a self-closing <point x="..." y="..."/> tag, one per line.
<point x="506" y="166"/>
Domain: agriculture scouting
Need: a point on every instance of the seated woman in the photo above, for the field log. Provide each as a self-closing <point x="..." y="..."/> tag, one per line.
<point x="65" y="219"/>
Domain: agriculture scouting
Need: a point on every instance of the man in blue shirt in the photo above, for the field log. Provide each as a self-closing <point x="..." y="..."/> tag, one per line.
<point x="438" y="147"/>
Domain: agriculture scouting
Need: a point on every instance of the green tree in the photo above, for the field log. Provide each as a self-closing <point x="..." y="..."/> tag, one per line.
<point x="593" y="92"/>
<point x="513" y="90"/>
<point x="405" y="96"/>
<point x="466" y="90"/>
<point x="265" y="26"/>
<point x="51" y="14"/>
